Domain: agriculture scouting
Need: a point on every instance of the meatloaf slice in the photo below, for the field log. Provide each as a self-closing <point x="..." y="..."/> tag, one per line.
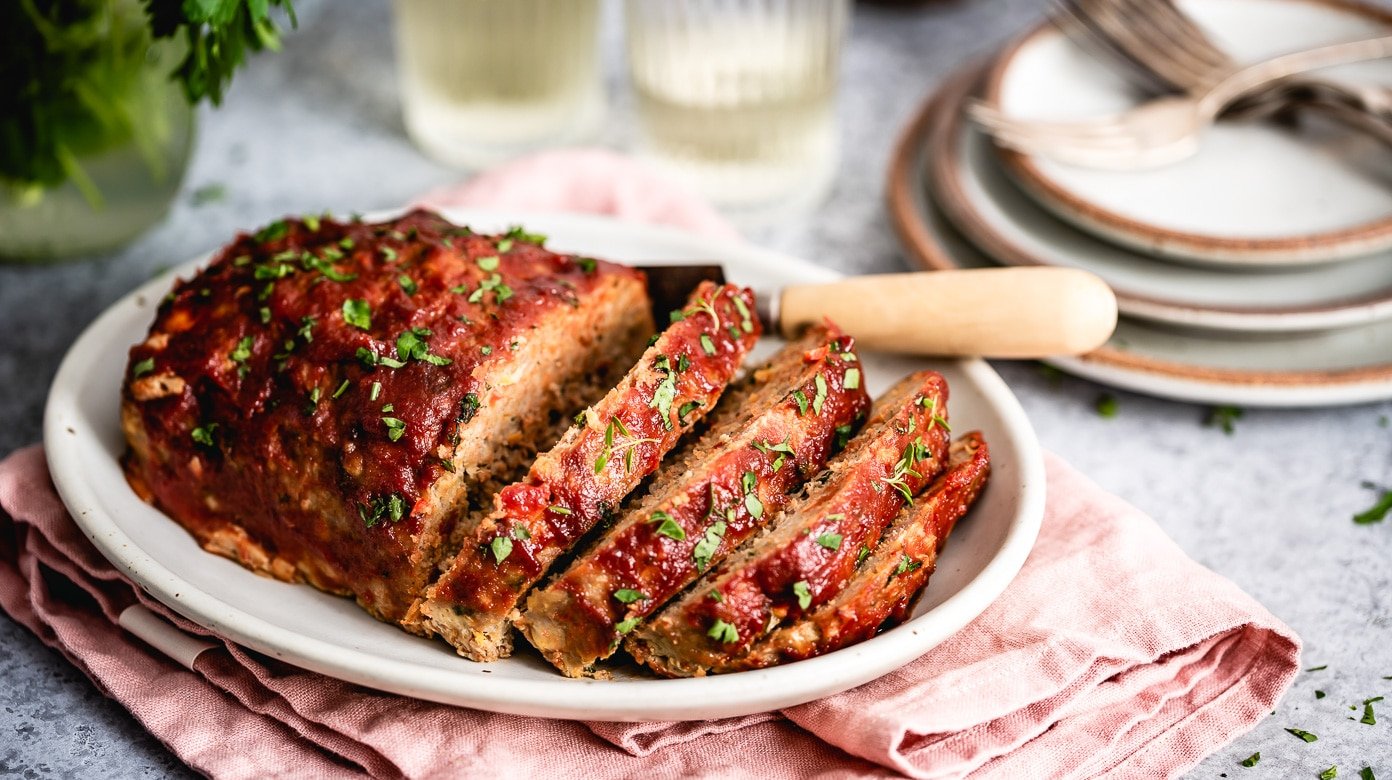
<point x="328" y="401"/>
<point x="764" y="441"/>
<point x="583" y="479"/>
<point x="808" y="552"/>
<point x="887" y="582"/>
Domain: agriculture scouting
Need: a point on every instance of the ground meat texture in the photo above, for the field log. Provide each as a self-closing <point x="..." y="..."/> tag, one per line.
<point x="807" y="554"/>
<point x="765" y="439"/>
<point x="584" y="479"/>
<point x="889" y="580"/>
<point x="328" y="401"/>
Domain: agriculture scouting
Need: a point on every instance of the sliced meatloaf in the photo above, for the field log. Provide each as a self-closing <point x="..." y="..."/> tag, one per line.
<point x="331" y="401"/>
<point x="884" y="585"/>
<point x="765" y="439"/>
<point x="809" y="552"/>
<point x="582" y="481"/>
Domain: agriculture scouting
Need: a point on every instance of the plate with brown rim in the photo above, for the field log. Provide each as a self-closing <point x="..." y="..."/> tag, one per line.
<point x="1328" y="368"/>
<point x="968" y="182"/>
<point x="1256" y="193"/>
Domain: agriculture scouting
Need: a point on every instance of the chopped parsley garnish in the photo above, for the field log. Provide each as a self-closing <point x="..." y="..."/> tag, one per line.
<point x="587" y="264"/>
<point x="800" y="399"/>
<point x="560" y="510"/>
<point x="687" y="408"/>
<point x="1106" y="406"/>
<point x="1305" y="735"/>
<point x="396" y="428"/>
<point x="1377" y="512"/>
<point x="142" y="367"/>
<point x="625" y="626"/>
<point x="505" y="245"/>
<point x="1330" y="773"/>
<point x="667" y="526"/>
<point x="907" y="564"/>
<point x="852" y="380"/>
<point x="1251" y="760"/>
<point x="412" y="345"/>
<point x="782" y="449"/>
<point x="903" y="469"/>
<point x="665" y="393"/>
<point x="240" y="354"/>
<point x="1368" y="719"/>
<point x="710" y="542"/>
<point x="501" y="547"/>
<point x="489" y="263"/>
<point x="391" y="507"/>
<point x="389" y="407"/>
<point x="625" y="447"/>
<point x="1366" y="773"/>
<point x="272" y="271"/>
<point x="862" y="555"/>
<point x="628" y="595"/>
<point x="804" y="596"/>
<point x="487" y="350"/>
<point x="1317" y="668"/>
<point x="376" y="391"/>
<point x="1319" y="694"/>
<point x="1224" y="417"/>
<point x="843" y="436"/>
<point x="707" y="345"/>
<point x="312" y="222"/>
<point x="203" y="434"/>
<point x="314" y="396"/>
<point x="468" y="407"/>
<point x="723" y="632"/>
<point x="520" y="532"/>
<point x="830" y="541"/>
<point x="272" y="232"/>
<point x="748" y="480"/>
<point x="388" y="253"/>
<point x="746" y="324"/>
<point x="372" y="359"/>
<point x="323" y="266"/>
<point x="265" y="312"/>
<point x="357" y="313"/>
<point x="676" y="315"/>
<point x="821" y="396"/>
<point x="408" y="285"/>
<point x="346" y="243"/>
<point x="754" y="506"/>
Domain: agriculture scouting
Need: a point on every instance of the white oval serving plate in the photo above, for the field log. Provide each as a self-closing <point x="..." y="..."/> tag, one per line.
<point x="331" y="635"/>
<point x="1255" y="193"/>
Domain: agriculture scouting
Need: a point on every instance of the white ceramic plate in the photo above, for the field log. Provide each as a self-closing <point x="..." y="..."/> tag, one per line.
<point x="1333" y="368"/>
<point x="970" y="185"/>
<point x="331" y="635"/>
<point x="1255" y="193"/>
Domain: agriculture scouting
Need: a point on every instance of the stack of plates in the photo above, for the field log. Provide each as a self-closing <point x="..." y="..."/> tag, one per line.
<point x="1258" y="272"/>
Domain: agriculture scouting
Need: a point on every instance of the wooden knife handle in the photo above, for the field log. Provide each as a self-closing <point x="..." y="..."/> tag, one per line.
<point x="989" y="312"/>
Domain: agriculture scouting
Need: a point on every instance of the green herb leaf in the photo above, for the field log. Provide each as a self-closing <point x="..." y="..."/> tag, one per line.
<point x="1251" y="760"/>
<point x="586" y="264"/>
<point x="1317" y="668"/>
<point x="907" y="564"/>
<point x="1330" y="773"/>
<point x="663" y="396"/>
<point x="1224" y="417"/>
<point x="852" y="380"/>
<point x="862" y="555"/>
<point x="1305" y="735"/>
<point x="830" y="541"/>
<point x="1368" y="719"/>
<point x="408" y="285"/>
<point x="800" y="399"/>
<point x="667" y="526"/>
<point x="520" y="532"/>
<point x="203" y="434"/>
<point x="1377" y="512"/>
<point x="804" y="596"/>
<point x="357" y="313"/>
<point x="754" y="506"/>
<point x="625" y="626"/>
<point x="560" y="510"/>
<point x="723" y="632"/>
<point x="687" y="408"/>
<point x="821" y="396"/>
<point x="396" y="428"/>
<point x="501" y="547"/>
<point x="628" y="595"/>
<point x="272" y="232"/>
<point x="142" y="367"/>
<point x="489" y="263"/>
<point x="1366" y="773"/>
<point x="1319" y="694"/>
<point x="705" y="549"/>
<point x="1107" y="406"/>
<point x="707" y="345"/>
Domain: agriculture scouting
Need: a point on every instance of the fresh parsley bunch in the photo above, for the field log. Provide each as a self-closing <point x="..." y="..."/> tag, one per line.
<point x="74" y="75"/>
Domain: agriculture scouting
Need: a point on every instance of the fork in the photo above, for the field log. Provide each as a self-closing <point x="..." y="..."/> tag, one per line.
<point x="1163" y="130"/>
<point x="1164" y="50"/>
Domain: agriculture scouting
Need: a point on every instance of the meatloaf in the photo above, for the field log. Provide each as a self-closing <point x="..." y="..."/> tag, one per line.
<point x="884" y="585"/>
<point x="334" y="402"/>
<point x="582" y="481"/>
<point x="808" y="553"/>
<point x="765" y="439"/>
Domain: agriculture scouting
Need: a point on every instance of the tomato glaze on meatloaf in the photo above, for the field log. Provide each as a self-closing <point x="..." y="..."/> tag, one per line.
<point x="337" y="402"/>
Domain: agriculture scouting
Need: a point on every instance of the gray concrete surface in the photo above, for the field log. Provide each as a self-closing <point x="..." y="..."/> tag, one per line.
<point x="317" y="126"/>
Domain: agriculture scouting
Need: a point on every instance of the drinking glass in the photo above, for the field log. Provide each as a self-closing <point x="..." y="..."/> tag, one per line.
<point x="485" y="80"/>
<point x="738" y="97"/>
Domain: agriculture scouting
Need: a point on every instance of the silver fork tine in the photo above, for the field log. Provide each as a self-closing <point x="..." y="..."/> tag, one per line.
<point x="1155" y="22"/>
<point x="1146" y="42"/>
<point x="1077" y="26"/>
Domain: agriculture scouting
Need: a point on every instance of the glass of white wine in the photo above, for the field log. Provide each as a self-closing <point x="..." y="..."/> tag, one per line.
<point x="738" y="97"/>
<point x="485" y="80"/>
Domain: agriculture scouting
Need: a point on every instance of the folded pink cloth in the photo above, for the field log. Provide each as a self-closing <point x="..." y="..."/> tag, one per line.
<point x="1112" y="653"/>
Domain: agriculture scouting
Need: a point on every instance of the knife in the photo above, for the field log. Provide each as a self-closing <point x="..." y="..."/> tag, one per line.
<point x="1020" y="313"/>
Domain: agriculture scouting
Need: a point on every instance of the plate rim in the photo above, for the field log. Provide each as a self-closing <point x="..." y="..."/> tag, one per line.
<point x="1307" y="250"/>
<point x="946" y="179"/>
<point x="908" y="200"/>
<point x="618" y="700"/>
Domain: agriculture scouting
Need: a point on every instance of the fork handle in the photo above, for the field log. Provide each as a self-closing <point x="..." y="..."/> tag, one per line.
<point x="988" y="312"/>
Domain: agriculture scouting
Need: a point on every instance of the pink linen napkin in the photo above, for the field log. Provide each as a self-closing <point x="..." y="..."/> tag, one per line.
<point x="1112" y="653"/>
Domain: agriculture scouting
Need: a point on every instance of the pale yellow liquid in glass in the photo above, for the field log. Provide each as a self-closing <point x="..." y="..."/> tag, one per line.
<point x="740" y="103"/>
<point x="483" y="80"/>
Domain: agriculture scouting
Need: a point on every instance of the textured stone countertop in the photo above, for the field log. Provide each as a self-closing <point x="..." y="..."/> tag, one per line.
<point x="317" y="127"/>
